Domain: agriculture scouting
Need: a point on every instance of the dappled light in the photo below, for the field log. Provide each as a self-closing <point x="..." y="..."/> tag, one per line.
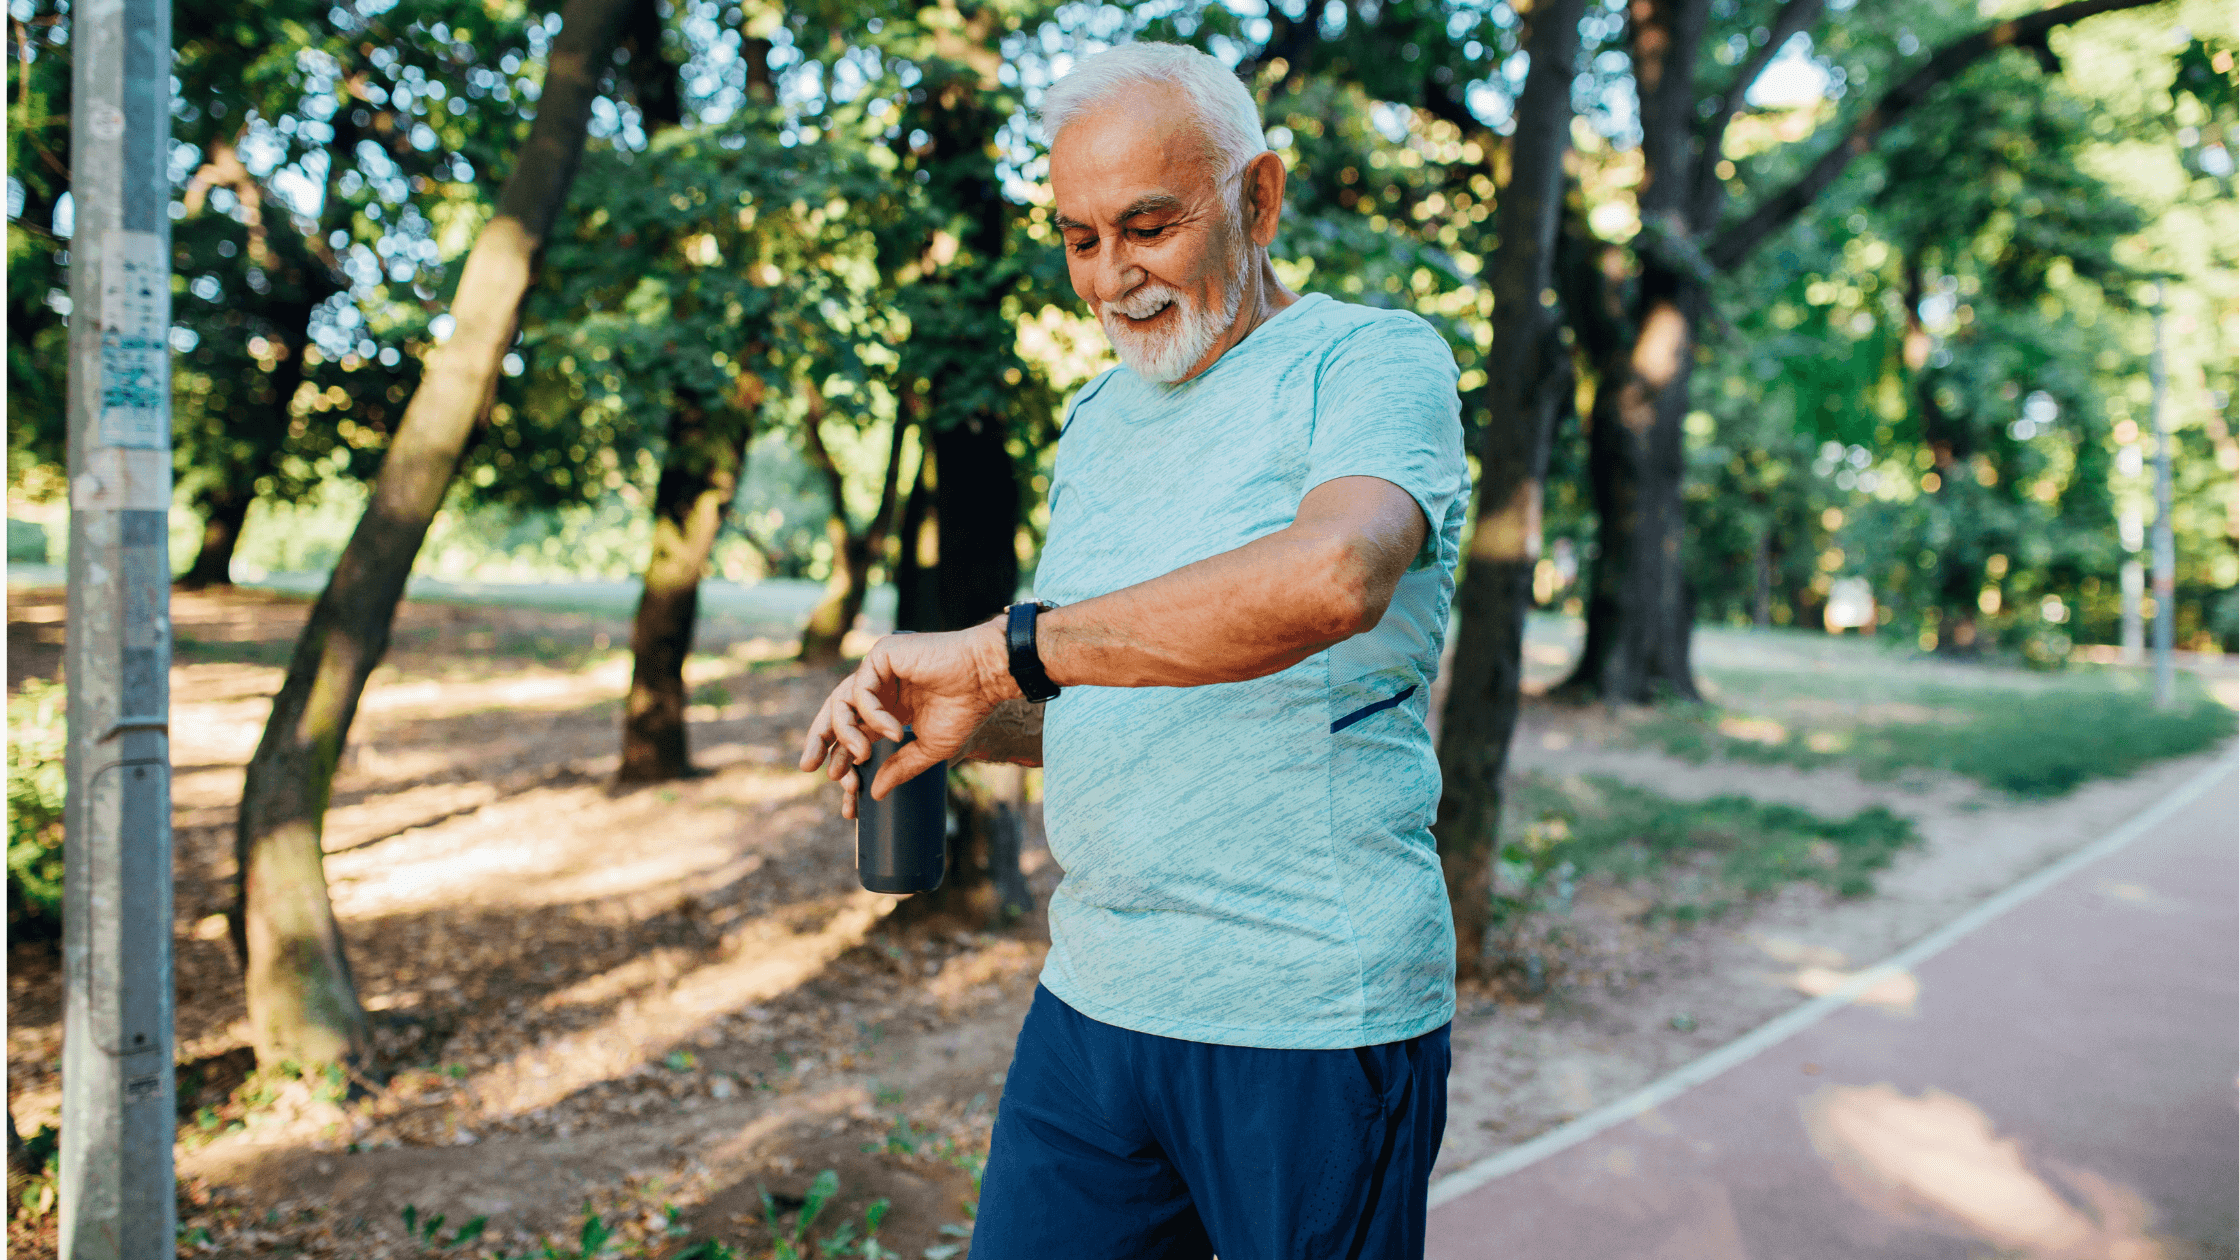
<point x="1896" y="994"/>
<point x="1937" y="1159"/>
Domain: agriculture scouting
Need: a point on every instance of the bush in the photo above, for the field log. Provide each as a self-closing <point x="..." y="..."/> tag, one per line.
<point x="37" y="784"/>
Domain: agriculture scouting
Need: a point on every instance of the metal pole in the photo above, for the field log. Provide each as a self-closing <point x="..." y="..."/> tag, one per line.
<point x="117" y="1193"/>
<point x="2134" y="576"/>
<point x="2165" y="550"/>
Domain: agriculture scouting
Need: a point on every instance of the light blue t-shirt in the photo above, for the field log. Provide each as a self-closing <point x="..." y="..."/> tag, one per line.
<point x="1251" y="863"/>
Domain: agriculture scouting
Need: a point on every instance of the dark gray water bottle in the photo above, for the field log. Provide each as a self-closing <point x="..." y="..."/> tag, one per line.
<point x="902" y="842"/>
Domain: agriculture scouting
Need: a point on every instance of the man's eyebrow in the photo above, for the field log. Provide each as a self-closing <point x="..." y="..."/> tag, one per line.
<point x="1150" y="203"/>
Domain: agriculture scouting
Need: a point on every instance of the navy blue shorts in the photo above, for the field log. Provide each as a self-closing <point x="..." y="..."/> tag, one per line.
<point x="1123" y="1144"/>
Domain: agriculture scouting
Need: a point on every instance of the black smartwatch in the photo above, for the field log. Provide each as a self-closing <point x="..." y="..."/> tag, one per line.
<point x="1026" y="660"/>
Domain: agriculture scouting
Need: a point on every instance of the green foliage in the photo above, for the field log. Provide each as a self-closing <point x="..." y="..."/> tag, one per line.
<point x="429" y="1232"/>
<point x="790" y="1243"/>
<point x="1920" y="403"/>
<point x="38" y="165"/>
<point x="36" y="1195"/>
<point x="2206" y="72"/>
<point x="37" y="785"/>
<point x="2030" y="743"/>
<point x="593" y="1239"/>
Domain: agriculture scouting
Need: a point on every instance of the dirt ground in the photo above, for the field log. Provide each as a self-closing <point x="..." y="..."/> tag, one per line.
<point x="663" y="1001"/>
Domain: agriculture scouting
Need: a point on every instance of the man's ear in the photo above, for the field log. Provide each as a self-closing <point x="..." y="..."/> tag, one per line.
<point x="1263" y="194"/>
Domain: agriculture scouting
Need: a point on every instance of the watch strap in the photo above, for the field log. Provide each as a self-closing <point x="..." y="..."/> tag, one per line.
<point x="1026" y="658"/>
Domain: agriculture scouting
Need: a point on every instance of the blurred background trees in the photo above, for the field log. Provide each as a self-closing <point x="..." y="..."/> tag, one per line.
<point x="801" y="316"/>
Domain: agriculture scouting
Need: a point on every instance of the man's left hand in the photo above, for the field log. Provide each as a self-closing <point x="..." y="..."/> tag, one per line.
<point x="942" y="686"/>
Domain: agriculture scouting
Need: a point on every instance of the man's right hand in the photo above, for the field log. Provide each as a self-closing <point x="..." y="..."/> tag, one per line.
<point x="942" y="686"/>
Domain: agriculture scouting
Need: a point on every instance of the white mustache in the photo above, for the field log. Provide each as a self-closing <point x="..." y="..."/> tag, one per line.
<point x="1146" y="301"/>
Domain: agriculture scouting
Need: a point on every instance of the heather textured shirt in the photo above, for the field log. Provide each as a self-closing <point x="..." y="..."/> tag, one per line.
<point x="1251" y="863"/>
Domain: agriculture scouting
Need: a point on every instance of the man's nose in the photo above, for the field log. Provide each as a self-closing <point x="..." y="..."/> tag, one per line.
<point x="1116" y="276"/>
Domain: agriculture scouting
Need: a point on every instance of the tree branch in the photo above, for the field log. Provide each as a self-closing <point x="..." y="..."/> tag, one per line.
<point x="1794" y="17"/>
<point x="820" y="458"/>
<point x="1734" y="243"/>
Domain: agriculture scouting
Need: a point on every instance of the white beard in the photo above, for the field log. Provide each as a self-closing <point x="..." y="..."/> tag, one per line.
<point x="1165" y="357"/>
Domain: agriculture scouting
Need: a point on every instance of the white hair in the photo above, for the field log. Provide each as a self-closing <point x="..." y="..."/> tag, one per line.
<point x="1224" y="107"/>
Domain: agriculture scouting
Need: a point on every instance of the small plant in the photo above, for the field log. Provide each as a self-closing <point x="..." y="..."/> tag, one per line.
<point x="681" y="1061"/>
<point x="948" y="1251"/>
<point x="844" y="1242"/>
<point x="37" y="783"/>
<point x="901" y="1139"/>
<point x="591" y="1241"/>
<point x="790" y="1245"/>
<point x="673" y="1225"/>
<point x="32" y="1173"/>
<point x="428" y="1233"/>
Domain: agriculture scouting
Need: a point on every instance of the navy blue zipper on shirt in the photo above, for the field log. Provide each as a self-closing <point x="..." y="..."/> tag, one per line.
<point x="1370" y="710"/>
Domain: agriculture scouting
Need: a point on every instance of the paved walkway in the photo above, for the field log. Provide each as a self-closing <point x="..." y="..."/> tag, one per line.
<point x="2056" y="1082"/>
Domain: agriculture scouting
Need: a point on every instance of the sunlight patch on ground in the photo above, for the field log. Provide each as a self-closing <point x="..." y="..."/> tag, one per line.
<point x="1937" y="1160"/>
<point x="1897" y="994"/>
<point x="1754" y="729"/>
<point x="537" y="690"/>
<point x="651" y="1010"/>
<point x="1799" y="953"/>
<point x="508" y="854"/>
<point x="975" y="976"/>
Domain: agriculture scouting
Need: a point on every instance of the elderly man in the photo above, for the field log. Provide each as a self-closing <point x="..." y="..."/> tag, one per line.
<point x="1239" y="1045"/>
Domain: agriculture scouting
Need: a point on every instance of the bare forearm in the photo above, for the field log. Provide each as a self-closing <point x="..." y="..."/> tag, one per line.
<point x="1249" y="612"/>
<point x="1226" y="618"/>
<point x="1012" y="733"/>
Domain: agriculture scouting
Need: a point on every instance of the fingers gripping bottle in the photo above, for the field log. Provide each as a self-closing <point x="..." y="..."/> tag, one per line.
<point x="902" y="842"/>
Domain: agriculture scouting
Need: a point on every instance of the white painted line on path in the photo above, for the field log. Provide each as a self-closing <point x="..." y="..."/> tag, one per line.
<point x="1748" y="1046"/>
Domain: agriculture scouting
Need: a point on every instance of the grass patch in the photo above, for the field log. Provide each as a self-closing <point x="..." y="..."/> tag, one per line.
<point x="1700" y="857"/>
<point x="2036" y="742"/>
<point x="1694" y="860"/>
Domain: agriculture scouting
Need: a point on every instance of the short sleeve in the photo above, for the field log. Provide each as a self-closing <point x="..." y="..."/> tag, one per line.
<point x="1386" y="407"/>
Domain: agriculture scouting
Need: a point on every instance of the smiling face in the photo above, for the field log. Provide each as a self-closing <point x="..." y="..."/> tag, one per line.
<point x="1161" y="247"/>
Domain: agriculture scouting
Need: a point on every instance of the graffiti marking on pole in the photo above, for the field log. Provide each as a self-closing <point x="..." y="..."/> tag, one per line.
<point x="135" y="333"/>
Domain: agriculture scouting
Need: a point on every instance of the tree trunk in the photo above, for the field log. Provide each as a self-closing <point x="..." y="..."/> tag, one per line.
<point x="853" y="549"/>
<point x="965" y="513"/>
<point x="985" y="887"/>
<point x="223" y="511"/>
<point x="700" y="474"/>
<point x="918" y="557"/>
<point x="1640" y="611"/>
<point x="975" y="510"/>
<point x="1640" y="614"/>
<point x="1761" y="577"/>
<point x="303" y="1005"/>
<point x="1529" y="384"/>
<point x="976" y="506"/>
<point x="973" y="496"/>
<point x="835" y="614"/>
